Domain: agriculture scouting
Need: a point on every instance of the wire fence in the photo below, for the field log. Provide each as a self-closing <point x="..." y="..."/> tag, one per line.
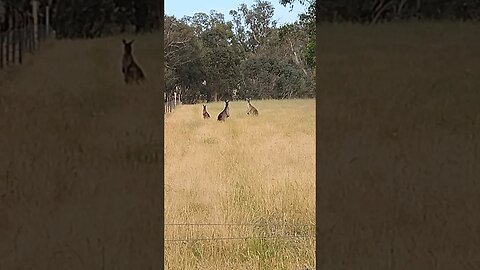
<point x="171" y="102"/>
<point x="296" y="237"/>
<point x="16" y="43"/>
<point x="305" y="238"/>
<point x="299" y="238"/>
<point x="307" y="231"/>
<point x="241" y="224"/>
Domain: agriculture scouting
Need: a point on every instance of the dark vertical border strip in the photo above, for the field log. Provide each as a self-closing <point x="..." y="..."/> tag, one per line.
<point x="420" y="211"/>
<point x="317" y="137"/>
<point x="162" y="140"/>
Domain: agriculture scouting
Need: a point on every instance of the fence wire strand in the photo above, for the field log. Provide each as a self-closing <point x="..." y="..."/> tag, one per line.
<point x="240" y="238"/>
<point x="242" y="224"/>
<point x="274" y="225"/>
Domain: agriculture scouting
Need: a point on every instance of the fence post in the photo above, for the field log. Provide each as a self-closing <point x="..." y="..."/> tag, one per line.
<point x="7" y="49"/>
<point x="16" y="38"/>
<point x="30" y="36"/>
<point x="47" y="20"/>
<point x="35" y="22"/>
<point x="23" y="36"/>
<point x="20" y="44"/>
<point x="14" y="43"/>
<point x="1" y="50"/>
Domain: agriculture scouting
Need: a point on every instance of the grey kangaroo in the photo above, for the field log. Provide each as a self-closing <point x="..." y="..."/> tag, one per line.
<point x="251" y="110"/>
<point x="130" y="69"/>
<point x="225" y="113"/>
<point x="205" y="113"/>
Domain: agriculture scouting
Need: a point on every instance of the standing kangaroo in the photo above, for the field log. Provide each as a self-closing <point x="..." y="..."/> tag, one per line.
<point x="130" y="69"/>
<point x="205" y="113"/>
<point x="225" y="113"/>
<point x="251" y="110"/>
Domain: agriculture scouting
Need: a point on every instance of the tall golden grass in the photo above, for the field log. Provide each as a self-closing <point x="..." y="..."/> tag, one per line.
<point x="244" y="170"/>
<point x="81" y="158"/>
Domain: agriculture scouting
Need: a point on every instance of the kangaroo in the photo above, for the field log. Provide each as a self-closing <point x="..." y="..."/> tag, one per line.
<point x="225" y="113"/>
<point x="130" y="69"/>
<point x="205" y="113"/>
<point x="251" y="110"/>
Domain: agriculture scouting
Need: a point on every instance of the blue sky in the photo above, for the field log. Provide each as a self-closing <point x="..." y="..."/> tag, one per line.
<point x="180" y="8"/>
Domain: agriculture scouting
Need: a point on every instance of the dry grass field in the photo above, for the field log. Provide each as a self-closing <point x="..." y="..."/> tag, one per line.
<point x="244" y="170"/>
<point x="398" y="128"/>
<point x="81" y="158"/>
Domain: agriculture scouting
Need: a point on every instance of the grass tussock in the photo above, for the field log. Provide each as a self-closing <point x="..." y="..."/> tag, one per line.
<point x="244" y="170"/>
<point x="81" y="157"/>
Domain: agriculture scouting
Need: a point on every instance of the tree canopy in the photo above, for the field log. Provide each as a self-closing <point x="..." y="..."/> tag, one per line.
<point x="90" y="18"/>
<point x="209" y="58"/>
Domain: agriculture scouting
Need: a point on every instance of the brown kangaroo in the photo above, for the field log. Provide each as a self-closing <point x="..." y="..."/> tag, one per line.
<point x="205" y="113"/>
<point x="130" y="69"/>
<point x="251" y="110"/>
<point x="225" y="113"/>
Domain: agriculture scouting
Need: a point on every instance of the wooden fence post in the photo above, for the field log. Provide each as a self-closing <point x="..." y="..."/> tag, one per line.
<point x="7" y="49"/>
<point x="20" y="45"/>
<point x="1" y="50"/>
<point x="47" y="20"/>
<point x="16" y="38"/>
<point x="23" y="35"/>
<point x="30" y="35"/>
<point x="14" y="43"/>
<point x="35" y="23"/>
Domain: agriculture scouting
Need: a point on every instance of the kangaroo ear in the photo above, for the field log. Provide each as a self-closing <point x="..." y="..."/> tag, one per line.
<point x="124" y="41"/>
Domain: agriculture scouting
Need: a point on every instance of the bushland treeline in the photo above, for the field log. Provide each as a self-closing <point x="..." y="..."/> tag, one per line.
<point x="85" y="18"/>
<point x="374" y="11"/>
<point x="209" y="58"/>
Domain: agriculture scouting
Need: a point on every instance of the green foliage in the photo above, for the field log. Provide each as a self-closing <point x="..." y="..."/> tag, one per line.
<point x="373" y="11"/>
<point x="208" y="58"/>
<point x="268" y="77"/>
<point x="183" y="57"/>
<point x="308" y="21"/>
<point x="86" y="18"/>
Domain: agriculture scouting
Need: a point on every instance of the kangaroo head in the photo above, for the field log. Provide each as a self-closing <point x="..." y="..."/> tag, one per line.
<point x="127" y="46"/>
